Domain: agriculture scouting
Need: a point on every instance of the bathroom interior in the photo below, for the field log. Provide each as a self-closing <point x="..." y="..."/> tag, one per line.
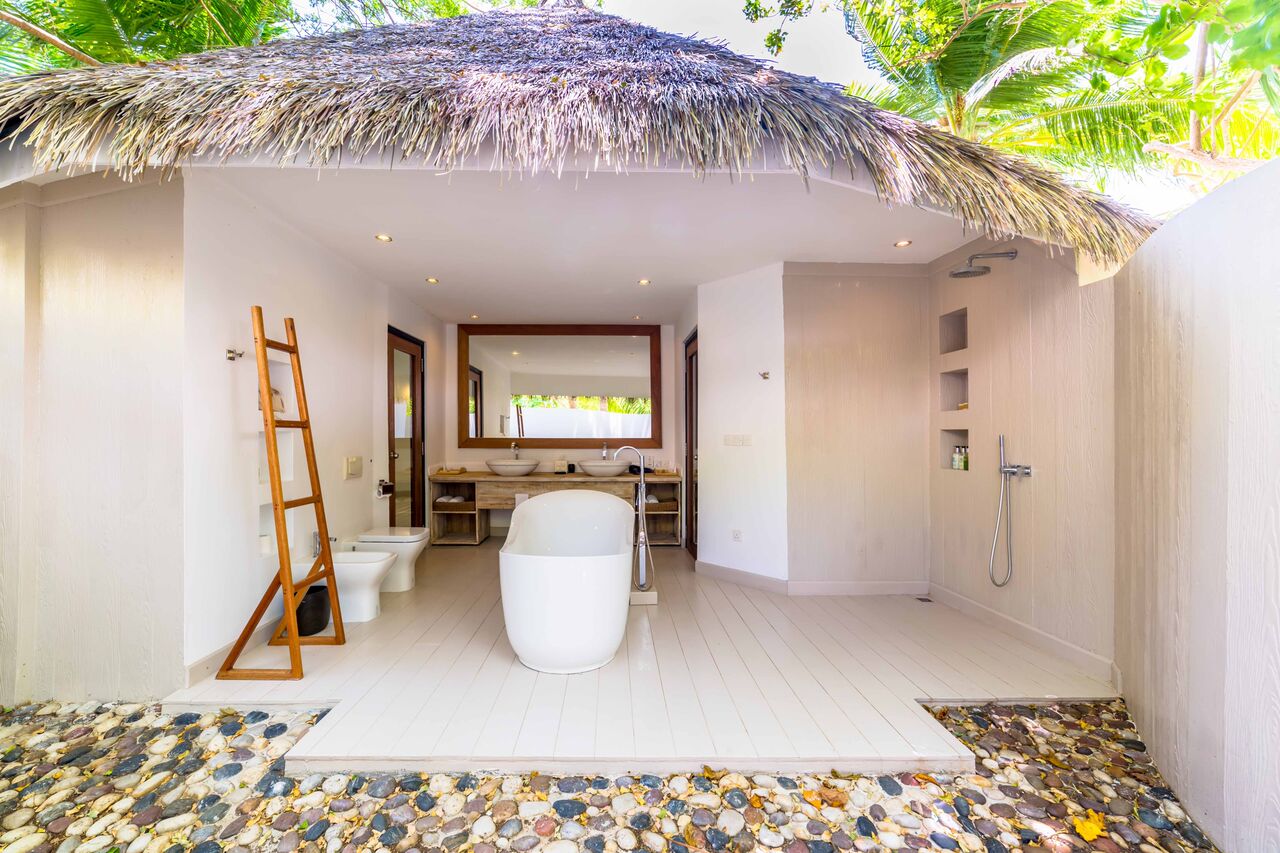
<point x="817" y="436"/>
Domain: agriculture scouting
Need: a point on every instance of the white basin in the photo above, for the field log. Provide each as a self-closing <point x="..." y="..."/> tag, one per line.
<point x="604" y="467"/>
<point x="512" y="467"/>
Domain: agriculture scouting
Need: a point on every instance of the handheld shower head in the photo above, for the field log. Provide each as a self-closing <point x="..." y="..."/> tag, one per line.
<point x="972" y="270"/>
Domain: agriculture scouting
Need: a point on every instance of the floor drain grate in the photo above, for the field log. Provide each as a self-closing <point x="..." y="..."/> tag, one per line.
<point x="924" y="598"/>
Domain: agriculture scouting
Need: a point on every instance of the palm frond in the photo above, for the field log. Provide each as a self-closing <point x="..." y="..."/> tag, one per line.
<point x="1091" y="130"/>
<point x="903" y="101"/>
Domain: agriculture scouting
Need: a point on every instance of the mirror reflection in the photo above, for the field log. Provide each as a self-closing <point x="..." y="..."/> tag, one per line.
<point x="559" y="386"/>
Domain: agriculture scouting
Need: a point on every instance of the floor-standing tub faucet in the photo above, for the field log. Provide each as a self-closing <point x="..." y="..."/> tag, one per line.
<point x="1004" y="511"/>
<point x="642" y="565"/>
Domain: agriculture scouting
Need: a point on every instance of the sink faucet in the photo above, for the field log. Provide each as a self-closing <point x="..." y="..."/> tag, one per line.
<point x="604" y="451"/>
<point x="515" y="450"/>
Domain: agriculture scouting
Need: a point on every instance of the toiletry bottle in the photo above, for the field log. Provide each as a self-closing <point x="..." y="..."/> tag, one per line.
<point x="955" y="458"/>
<point x="964" y="451"/>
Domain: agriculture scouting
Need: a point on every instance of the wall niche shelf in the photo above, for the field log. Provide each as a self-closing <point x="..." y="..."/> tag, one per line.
<point x="953" y="390"/>
<point x="948" y="440"/>
<point x="952" y="365"/>
<point x="953" y="331"/>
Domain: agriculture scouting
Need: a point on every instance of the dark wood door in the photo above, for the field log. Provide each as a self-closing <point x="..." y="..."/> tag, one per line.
<point x="406" y="466"/>
<point x="691" y="444"/>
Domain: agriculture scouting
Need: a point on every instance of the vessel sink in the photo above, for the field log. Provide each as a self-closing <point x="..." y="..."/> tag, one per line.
<point x="512" y="467"/>
<point x="604" y="467"/>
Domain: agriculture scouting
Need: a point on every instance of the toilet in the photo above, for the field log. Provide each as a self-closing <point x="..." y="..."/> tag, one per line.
<point x="359" y="575"/>
<point x="406" y="543"/>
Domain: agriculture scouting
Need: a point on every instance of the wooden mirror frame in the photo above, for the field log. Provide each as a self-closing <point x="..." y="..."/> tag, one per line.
<point x="653" y="333"/>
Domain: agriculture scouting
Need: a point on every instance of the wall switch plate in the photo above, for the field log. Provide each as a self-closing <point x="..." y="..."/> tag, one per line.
<point x="352" y="467"/>
<point x="744" y="440"/>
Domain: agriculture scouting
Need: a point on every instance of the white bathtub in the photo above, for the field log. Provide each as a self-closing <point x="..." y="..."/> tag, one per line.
<point x="566" y="579"/>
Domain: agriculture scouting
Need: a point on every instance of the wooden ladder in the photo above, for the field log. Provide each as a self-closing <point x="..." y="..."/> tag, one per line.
<point x="322" y="568"/>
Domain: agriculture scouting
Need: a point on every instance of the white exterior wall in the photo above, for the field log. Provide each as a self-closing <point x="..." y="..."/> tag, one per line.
<point x="742" y="488"/>
<point x="1198" y="550"/>
<point x="239" y="255"/>
<point x="91" y="519"/>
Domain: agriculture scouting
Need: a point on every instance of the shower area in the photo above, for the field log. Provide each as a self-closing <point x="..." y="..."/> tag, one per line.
<point x="1021" y="372"/>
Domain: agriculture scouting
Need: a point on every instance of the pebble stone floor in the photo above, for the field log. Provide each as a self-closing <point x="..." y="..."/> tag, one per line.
<point x="127" y="779"/>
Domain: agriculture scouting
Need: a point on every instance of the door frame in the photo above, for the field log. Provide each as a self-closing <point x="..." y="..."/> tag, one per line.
<point x="691" y="444"/>
<point x="417" y="351"/>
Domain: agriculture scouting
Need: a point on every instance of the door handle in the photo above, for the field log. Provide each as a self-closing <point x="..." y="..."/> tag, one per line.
<point x="395" y="455"/>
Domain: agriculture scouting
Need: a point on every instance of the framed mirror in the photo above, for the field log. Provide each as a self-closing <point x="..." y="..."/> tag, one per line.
<point x="559" y="386"/>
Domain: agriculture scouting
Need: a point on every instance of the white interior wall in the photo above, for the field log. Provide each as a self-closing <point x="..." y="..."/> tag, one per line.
<point x="239" y="255"/>
<point x="495" y="392"/>
<point x="742" y="487"/>
<point x="857" y="371"/>
<point x="1198" y="550"/>
<point x="92" y="438"/>
<point x="1040" y="362"/>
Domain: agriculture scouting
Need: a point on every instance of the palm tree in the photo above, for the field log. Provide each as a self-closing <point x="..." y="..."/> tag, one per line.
<point x="1087" y="86"/>
<point x="1015" y="75"/>
<point x="38" y="34"/>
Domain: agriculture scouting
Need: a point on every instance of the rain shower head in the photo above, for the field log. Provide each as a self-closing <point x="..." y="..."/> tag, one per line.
<point x="971" y="270"/>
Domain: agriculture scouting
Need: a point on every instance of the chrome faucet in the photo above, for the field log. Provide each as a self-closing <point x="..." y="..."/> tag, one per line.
<point x="640" y="567"/>
<point x="604" y="451"/>
<point x="515" y="450"/>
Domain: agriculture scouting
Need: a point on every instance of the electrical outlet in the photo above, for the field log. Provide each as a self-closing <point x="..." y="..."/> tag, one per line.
<point x="737" y="535"/>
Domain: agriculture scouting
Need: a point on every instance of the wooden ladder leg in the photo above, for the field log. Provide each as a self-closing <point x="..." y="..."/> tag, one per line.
<point x="313" y="473"/>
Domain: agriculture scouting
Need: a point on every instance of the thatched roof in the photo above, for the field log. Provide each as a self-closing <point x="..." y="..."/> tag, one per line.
<point x="540" y="87"/>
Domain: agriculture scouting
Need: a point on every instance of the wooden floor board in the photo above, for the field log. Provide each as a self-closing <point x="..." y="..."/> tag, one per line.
<point x="714" y="673"/>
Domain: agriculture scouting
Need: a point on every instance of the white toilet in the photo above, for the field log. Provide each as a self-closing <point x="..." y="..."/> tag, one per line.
<point x="406" y="543"/>
<point x="359" y="575"/>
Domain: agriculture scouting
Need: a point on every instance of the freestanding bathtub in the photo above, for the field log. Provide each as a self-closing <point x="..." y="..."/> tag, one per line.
<point x="566" y="579"/>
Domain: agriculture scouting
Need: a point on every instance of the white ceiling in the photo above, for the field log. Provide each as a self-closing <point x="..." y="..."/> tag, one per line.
<point x="543" y="249"/>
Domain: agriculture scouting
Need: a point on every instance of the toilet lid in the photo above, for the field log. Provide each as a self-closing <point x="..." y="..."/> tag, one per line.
<point x="394" y="534"/>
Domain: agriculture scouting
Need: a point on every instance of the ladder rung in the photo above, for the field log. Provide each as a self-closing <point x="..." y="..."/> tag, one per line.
<point x="310" y="499"/>
<point x="283" y="347"/>
<point x="293" y="424"/>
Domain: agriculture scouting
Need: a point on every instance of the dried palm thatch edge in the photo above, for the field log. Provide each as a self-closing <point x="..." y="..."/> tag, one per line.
<point x="542" y="89"/>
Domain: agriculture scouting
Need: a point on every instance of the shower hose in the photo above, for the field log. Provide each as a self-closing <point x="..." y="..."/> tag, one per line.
<point x="1004" y="513"/>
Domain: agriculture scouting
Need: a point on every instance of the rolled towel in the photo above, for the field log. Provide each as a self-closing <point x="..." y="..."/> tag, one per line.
<point x="651" y="499"/>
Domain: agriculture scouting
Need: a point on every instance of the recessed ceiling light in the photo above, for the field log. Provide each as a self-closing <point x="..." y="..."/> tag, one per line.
<point x="636" y="317"/>
<point x="644" y="282"/>
<point x="902" y="244"/>
<point x="475" y="316"/>
<point x="382" y="238"/>
<point x="515" y="352"/>
<point x="432" y="280"/>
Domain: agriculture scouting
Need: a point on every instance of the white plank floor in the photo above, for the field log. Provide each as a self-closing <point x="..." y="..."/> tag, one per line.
<point x="715" y="673"/>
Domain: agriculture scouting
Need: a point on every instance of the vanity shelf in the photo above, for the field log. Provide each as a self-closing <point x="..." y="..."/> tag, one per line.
<point x="466" y="522"/>
<point x="456" y="522"/>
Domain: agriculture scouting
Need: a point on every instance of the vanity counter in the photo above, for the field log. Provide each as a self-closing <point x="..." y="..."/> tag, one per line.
<point x="460" y="503"/>
<point x="548" y="477"/>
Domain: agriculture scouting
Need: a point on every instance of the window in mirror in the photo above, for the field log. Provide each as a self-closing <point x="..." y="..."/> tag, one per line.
<point x="559" y="386"/>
